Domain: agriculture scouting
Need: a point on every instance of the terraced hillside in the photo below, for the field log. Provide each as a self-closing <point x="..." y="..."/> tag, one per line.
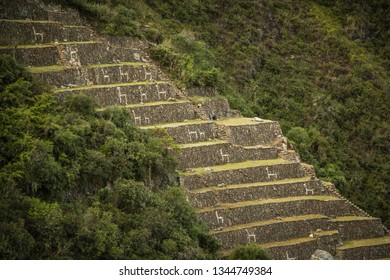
<point x="241" y="174"/>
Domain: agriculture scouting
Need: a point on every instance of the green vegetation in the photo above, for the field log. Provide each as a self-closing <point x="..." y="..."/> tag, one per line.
<point x="81" y="184"/>
<point x="318" y="67"/>
<point x="251" y="251"/>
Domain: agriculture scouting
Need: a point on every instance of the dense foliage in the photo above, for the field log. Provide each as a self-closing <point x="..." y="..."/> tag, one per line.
<point x="250" y="251"/>
<point x="78" y="184"/>
<point x="320" y="67"/>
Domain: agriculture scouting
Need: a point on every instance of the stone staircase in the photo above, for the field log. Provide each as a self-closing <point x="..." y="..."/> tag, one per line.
<point x="241" y="174"/>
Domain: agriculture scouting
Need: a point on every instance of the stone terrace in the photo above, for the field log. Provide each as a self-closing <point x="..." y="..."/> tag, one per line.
<point x="241" y="174"/>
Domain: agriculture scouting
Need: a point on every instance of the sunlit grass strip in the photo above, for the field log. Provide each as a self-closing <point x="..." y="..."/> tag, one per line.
<point x="46" y="69"/>
<point x="352" y="218"/>
<point x="177" y="124"/>
<point x="108" y="86"/>
<point x="57" y="68"/>
<point x="241" y="121"/>
<point x="129" y="63"/>
<point x="149" y="104"/>
<point x="205" y="143"/>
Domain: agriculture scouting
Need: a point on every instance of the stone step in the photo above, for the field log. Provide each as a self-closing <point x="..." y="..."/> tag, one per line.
<point x="212" y="196"/>
<point x="358" y="227"/>
<point x="28" y="32"/>
<point x="240" y="173"/>
<point x="141" y="93"/>
<point x="190" y="131"/>
<point x="77" y="54"/>
<point x="98" y="74"/>
<point x="218" y="152"/>
<point x="249" y="132"/>
<point x="303" y="248"/>
<point x="370" y="249"/>
<point x="232" y="214"/>
<point x="272" y="230"/>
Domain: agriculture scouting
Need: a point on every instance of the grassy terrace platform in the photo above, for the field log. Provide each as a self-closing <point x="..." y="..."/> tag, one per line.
<point x="240" y="121"/>
<point x="205" y="143"/>
<point x="352" y="218"/>
<point x="57" y="68"/>
<point x="365" y="242"/>
<point x="238" y="165"/>
<point x="177" y="124"/>
<point x="266" y="201"/>
<point x="48" y="45"/>
<point x="109" y="86"/>
<point x="249" y="185"/>
<point x="147" y="104"/>
<point x="269" y="222"/>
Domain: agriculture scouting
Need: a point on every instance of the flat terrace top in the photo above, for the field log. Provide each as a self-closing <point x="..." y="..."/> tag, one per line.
<point x="238" y="165"/>
<point x="178" y="124"/>
<point x="241" y="121"/>
<point x="57" y="68"/>
<point x="109" y="86"/>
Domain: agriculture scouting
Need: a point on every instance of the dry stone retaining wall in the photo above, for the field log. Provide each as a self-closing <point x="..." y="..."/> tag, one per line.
<point x="254" y="134"/>
<point x="104" y="75"/>
<point x="272" y="210"/>
<point x="124" y="94"/>
<point x="272" y="232"/>
<point x="162" y="113"/>
<point x="192" y="133"/>
<point x="222" y="153"/>
<point x="241" y="175"/>
<point x="231" y="195"/>
<point x="214" y="109"/>
<point x="42" y="56"/>
<point x="359" y="229"/>
<point x="76" y="55"/>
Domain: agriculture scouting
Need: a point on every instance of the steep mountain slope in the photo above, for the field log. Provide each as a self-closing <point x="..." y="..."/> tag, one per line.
<point x="318" y="67"/>
<point x="240" y="173"/>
